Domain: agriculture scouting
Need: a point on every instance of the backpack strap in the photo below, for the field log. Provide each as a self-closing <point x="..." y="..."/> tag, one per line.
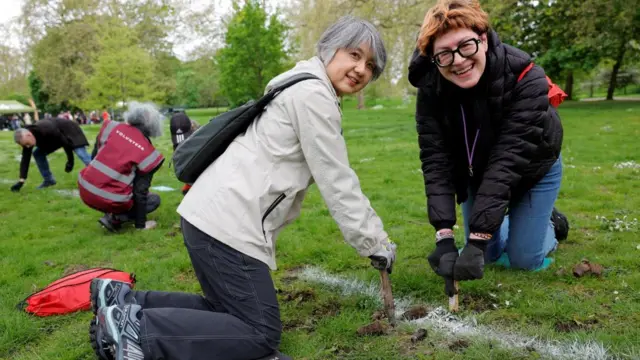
<point x="292" y="81"/>
<point x="525" y="71"/>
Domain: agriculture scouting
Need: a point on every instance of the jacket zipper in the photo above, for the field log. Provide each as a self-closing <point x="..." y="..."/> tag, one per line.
<point x="275" y="203"/>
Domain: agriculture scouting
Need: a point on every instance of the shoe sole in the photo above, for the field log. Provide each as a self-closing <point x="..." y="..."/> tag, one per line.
<point x="97" y="343"/>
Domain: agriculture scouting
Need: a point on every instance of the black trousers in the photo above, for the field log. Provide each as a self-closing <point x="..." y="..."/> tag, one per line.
<point x="237" y="319"/>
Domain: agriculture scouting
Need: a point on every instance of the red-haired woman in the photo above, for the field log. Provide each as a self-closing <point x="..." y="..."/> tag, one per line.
<point x="488" y="138"/>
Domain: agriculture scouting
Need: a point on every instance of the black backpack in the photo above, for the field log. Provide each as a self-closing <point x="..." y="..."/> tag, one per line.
<point x="205" y="145"/>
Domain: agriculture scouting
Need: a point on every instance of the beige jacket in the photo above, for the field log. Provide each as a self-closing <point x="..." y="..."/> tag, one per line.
<point x="256" y="187"/>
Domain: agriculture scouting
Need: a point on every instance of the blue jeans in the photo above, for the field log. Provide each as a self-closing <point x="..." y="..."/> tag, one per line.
<point x="43" y="163"/>
<point x="526" y="234"/>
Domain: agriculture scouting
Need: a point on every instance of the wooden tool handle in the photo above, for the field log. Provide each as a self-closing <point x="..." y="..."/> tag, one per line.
<point x="453" y="300"/>
<point x="387" y="297"/>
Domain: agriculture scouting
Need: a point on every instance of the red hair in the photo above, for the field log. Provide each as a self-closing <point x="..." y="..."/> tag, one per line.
<point x="450" y="15"/>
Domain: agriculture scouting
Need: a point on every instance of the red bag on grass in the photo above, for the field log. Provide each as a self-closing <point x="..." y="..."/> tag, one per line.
<point x="70" y="293"/>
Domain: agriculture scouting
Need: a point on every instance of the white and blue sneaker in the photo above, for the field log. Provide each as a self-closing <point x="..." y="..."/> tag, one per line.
<point x="115" y="333"/>
<point x="108" y="292"/>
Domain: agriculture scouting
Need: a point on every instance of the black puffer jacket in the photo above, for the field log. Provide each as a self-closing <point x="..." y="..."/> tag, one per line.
<point x="520" y="135"/>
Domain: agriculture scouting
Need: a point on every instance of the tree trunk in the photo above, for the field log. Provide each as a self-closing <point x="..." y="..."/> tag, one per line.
<point x="616" y="68"/>
<point x="568" y="87"/>
<point x="591" y="89"/>
<point x="361" y="100"/>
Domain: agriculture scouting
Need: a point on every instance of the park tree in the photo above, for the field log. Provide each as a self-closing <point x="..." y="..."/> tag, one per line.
<point x="612" y="28"/>
<point x="254" y="52"/>
<point x="197" y="83"/>
<point x="62" y="66"/>
<point x="123" y="70"/>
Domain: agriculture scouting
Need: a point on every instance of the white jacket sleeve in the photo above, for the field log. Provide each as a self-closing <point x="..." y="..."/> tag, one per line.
<point x="316" y="119"/>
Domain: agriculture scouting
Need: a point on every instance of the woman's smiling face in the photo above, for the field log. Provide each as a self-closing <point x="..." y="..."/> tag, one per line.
<point x="465" y="72"/>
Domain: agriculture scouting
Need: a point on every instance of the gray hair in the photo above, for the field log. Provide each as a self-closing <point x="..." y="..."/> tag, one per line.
<point x="145" y="117"/>
<point x="19" y="134"/>
<point x="349" y="33"/>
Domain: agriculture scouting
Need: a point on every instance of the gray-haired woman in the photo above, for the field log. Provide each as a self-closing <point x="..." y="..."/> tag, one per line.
<point x="234" y="211"/>
<point x="117" y="180"/>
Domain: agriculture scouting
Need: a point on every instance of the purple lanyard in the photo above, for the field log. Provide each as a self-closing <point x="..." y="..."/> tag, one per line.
<point x="466" y="142"/>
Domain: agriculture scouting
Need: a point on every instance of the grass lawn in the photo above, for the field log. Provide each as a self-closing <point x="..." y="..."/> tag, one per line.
<point x="45" y="233"/>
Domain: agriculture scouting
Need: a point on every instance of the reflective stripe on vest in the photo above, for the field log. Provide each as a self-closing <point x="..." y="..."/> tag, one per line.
<point x="103" y="194"/>
<point x="126" y="179"/>
<point x="107" y="130"/>
<point x="149" y="160"/>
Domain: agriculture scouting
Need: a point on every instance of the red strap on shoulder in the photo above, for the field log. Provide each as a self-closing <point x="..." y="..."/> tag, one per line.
<point x="525" y="71"/>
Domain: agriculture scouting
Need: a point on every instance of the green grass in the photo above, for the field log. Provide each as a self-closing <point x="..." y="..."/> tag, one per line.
<point x="43" y="234"/>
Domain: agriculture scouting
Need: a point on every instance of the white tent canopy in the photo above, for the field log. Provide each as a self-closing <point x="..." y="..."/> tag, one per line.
<point x="12" y="106"/>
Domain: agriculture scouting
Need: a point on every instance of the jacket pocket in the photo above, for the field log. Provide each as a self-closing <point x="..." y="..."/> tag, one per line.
<point x="270" y="209"/>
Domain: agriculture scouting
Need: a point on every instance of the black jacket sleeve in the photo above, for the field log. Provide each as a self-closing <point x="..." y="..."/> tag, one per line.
<point x="24" y="162"/>
<point x="520" y="136"/>
<point x="141" y="184"/>
<point x="437" y="163"/>
<point x="69" y="152"/>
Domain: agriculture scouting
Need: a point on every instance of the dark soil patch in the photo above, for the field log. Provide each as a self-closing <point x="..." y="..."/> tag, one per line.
<point x="459" y="345"/>
<point x="299" y="296"/>
<point x="419" y="335"/>
<point x="415" y="312"/>
<point x="567" y="326"/>
<point x="376" y="328"/>
<point x="477" y="302"/>
<point x="378" y="315"/>
<point x="291" y="275"/>
<point x="329" y="308"/>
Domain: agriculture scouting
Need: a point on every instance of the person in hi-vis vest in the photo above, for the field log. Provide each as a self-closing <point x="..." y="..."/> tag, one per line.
<point x="117" y="180"/>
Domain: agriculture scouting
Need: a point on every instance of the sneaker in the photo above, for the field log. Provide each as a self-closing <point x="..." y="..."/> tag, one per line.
<point x="560" y="224"/>
<point x="108" y="292"/>
<point x="276" y="356"/>
<point x="110" y="223"/>
<point x="115" y="333"/>
<point x="46" y="184"/>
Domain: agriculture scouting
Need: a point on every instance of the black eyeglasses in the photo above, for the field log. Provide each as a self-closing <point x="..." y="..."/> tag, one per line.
<point x="466" y="49"/>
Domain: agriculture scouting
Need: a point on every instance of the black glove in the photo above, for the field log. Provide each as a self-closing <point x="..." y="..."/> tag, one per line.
<point x="68" y="167"/>
<point x="17" y="186"/>
<point x="442" y="261"/>
<point x="470" y="264"/>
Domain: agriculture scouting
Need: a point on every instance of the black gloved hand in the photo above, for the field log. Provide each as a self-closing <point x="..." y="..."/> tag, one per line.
<point x="470" y="264"/>
<point x="17" y="186"/>
<point x="68" y="167"/>
<point x="444" y="257"/>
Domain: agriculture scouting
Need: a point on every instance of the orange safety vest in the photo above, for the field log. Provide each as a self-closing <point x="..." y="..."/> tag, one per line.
<point x="106" y="184"/>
